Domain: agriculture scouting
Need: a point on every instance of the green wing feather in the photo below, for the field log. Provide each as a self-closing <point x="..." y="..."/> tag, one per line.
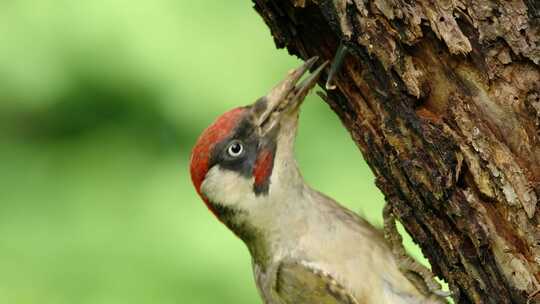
<point x="300" y="284"/>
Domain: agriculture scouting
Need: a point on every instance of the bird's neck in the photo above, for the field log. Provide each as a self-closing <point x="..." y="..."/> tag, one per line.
<point x="255" y="238"/>
<point x="258" y="219"/>
<point x="263" y="227"/>
<point x="277" y="213"/>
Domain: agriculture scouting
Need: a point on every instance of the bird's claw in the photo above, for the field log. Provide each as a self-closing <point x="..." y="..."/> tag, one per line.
<point x="442" y="293"/>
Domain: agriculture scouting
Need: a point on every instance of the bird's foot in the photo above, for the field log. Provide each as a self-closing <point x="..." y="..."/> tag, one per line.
<point x="421" y="276"/>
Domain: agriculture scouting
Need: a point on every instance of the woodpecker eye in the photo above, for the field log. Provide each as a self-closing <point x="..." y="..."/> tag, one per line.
<point x="235" y="149"/>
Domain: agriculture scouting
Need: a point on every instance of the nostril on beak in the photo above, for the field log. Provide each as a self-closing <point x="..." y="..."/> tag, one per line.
<point x="280" y="95"/>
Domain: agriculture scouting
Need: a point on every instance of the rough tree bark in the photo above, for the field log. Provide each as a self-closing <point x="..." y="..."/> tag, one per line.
<point x="443" y="99"/>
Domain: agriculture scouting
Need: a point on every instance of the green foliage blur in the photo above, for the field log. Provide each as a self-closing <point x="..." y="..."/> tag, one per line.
<point x="100" y="104"/>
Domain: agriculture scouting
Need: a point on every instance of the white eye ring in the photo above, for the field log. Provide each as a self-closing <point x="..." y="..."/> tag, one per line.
<point x="235" y="149"/>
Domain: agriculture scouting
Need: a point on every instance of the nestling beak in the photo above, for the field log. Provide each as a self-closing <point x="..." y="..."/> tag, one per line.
<point x="286" y="97"/>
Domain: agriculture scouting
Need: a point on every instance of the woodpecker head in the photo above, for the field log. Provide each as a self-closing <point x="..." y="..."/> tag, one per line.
<point x="244" y="158"/>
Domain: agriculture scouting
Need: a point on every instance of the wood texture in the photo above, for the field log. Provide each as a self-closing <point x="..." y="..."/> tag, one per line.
<point x="443" y="99"/>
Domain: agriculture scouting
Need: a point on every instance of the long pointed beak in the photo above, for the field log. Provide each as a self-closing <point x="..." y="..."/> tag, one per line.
<point x="285" y="96"/>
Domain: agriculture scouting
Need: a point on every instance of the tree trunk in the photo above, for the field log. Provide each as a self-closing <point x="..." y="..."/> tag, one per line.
<point x="443" y="99"/>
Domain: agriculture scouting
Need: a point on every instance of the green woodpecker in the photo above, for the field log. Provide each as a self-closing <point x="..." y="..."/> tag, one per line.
<point x="306" y="248"/>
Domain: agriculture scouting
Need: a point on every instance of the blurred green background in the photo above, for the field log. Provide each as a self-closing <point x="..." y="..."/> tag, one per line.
<point x="100" y="104"/>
